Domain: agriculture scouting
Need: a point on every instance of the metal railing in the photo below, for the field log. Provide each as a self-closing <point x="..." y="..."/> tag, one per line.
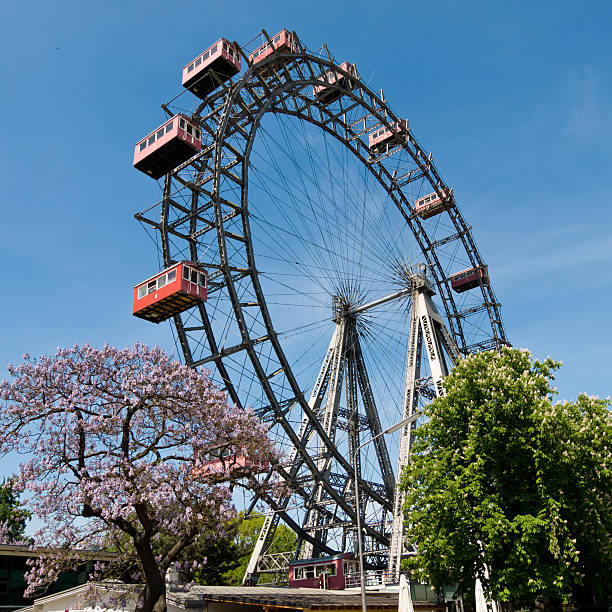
<point x="372" y="578"/>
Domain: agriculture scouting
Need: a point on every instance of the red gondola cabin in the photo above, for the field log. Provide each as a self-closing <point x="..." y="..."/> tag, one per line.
<point x="380" y="139"/>
<point x="334" y="83"/>
<point x="222" y="58"/>
<point x="170" y="292"/>
<point x="323" y="572"/>
<point x="167" y="147"/>
<point x="468" y="279"/>
<point x="283" y="42"/>
<point x="431" y="204"/>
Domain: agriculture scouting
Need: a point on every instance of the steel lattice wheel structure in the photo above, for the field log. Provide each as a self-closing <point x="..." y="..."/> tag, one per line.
<point x="311" y="242"/>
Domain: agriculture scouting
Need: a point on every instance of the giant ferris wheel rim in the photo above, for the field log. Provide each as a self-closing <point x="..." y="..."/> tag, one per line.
<point x="219" y="123"/>
<point x="386" y="117"/>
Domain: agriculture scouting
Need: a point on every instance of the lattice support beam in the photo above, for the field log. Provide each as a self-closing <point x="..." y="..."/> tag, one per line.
<point x="429" y="334"/>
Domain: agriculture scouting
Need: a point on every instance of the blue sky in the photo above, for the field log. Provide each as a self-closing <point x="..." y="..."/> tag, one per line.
<point x="514" y="99"/>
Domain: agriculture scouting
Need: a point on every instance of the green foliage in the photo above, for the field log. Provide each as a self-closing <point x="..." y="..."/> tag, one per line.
<point x="13" y="518"/>
<point x="246" y="536"/>
<point x="204" y="561"/>
<point x="217" y="560"/>
<point x="221" y="556"/>
<point x="501" y="475"/>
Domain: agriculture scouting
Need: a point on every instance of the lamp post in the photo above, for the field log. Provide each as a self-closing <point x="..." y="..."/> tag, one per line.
<point x="410" y="419"/>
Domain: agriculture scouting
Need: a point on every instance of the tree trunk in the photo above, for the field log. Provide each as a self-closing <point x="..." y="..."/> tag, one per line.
<point x="552" y="604"/>
<point x="154" y="601"/>
<point x="154" y="598"/>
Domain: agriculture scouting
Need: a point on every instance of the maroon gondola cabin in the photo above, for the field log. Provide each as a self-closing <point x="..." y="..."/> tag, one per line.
<point x="170" y="292"/>
<point x="322" y="572"/>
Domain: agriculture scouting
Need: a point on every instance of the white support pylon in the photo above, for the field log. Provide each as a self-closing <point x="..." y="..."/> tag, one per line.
<point x="427" y="332"/>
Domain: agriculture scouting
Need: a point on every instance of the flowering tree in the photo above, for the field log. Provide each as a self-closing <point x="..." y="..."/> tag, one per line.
<point x="502" y="476"/>
<point x="119" y="437"/>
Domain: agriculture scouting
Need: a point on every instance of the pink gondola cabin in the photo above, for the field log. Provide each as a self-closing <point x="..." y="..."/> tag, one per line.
<point x="283" y="42"/>
<point x="469" y="278"/>
<point x="168" y="146"/>
<point x="384" y="136"/>
<point x="216" y="65"/>
<point x="334" y="82"/>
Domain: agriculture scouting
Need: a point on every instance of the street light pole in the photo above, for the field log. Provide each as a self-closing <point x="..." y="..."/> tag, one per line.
<point x="410" y="419"/>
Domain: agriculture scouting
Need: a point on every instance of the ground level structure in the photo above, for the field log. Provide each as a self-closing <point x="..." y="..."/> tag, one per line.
<point x="122" y="598"/>
<point x="14" y="565"/>
<point x="272" y="599"/>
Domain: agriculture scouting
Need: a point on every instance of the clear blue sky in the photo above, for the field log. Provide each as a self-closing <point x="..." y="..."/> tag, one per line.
<point x="514" y="99"/>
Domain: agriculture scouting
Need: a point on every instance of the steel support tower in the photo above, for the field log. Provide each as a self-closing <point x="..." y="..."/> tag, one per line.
<point x="343" y="367"/>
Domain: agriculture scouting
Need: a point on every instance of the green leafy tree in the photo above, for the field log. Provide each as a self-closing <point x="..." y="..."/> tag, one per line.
<point x="247" y="533"/>
<point x="13" y="517"/>
<point x="500" y="475"/>
<point x="218" y="560"/>
<point x="221" y="556"/>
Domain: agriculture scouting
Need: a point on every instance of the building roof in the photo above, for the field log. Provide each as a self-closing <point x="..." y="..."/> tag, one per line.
<point x="290" y="598"/>
<point x="71" y="598"/>
<point x="24" y="550"/>
<point x="269" y="597"/>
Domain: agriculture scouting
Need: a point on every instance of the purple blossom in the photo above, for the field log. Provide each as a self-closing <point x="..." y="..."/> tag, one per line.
<point x="119" y="437"/>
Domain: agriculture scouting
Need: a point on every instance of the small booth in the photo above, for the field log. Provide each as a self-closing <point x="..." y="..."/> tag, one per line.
<point x="222" y="59"/>
<point x="322" y="572"/>
<point x="170" y="292"/>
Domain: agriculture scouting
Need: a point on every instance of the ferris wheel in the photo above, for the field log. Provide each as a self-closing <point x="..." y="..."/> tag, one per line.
<point x="317" y="264"/>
